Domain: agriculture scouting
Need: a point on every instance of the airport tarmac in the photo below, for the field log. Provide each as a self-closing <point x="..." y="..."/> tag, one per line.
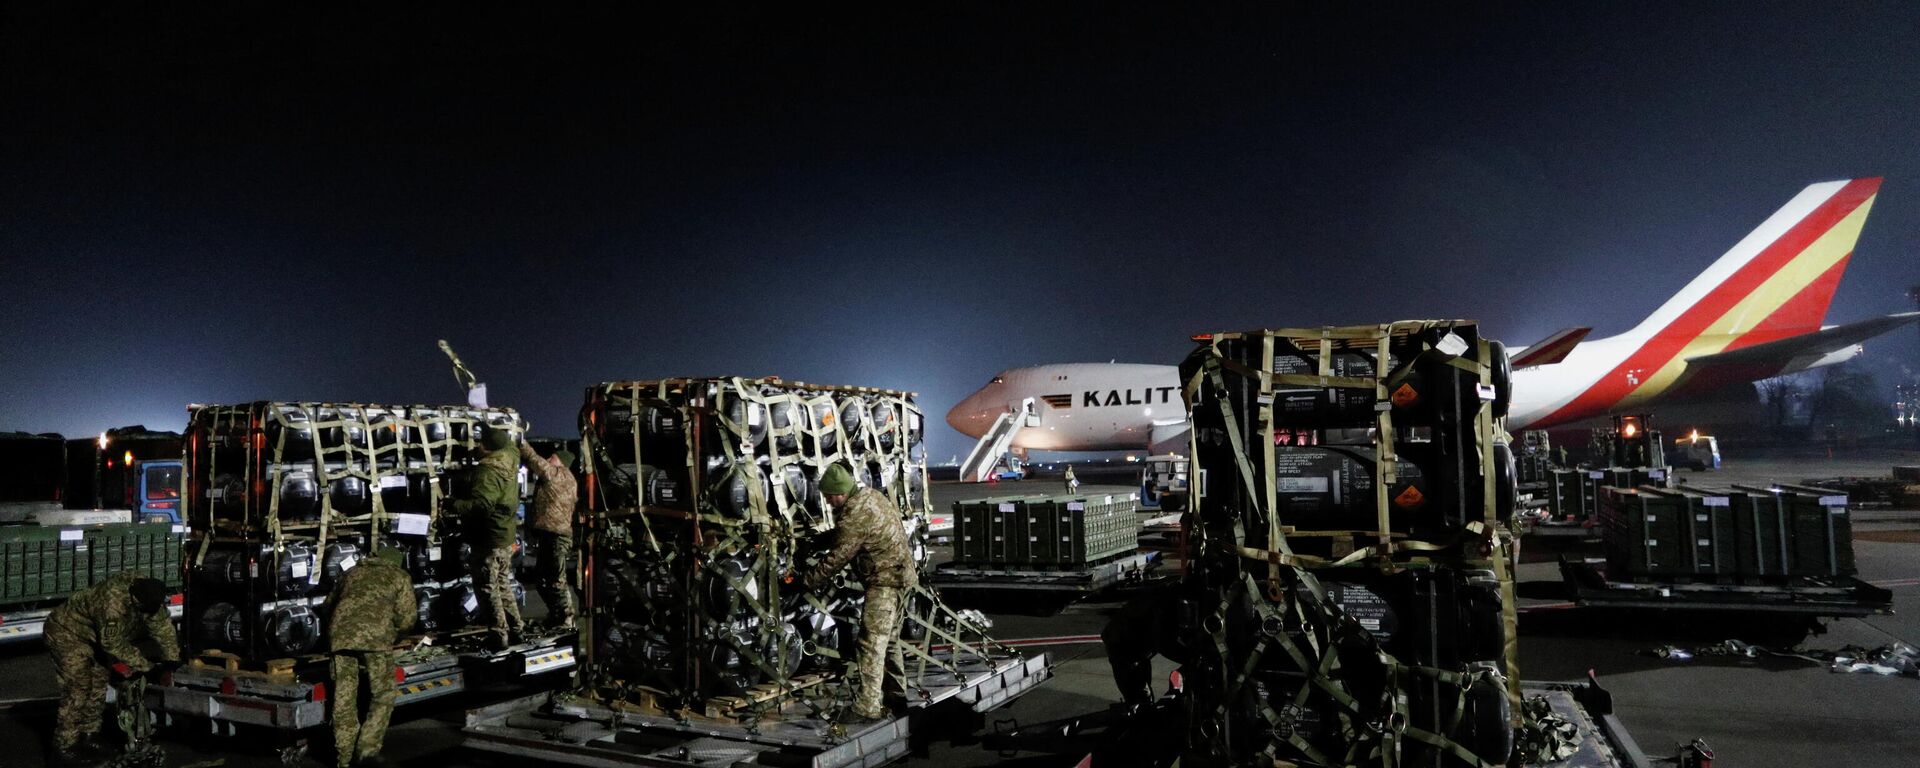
<point x="1754" y="713"/>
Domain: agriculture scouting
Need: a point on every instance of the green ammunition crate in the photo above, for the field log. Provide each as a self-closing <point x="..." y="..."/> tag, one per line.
<point x="1706" y="539"/>
<point x="1569" y="495"/>
<point x="1642" y="532"/>
<point x="1813" y="533"/>
<point x="1760" y="533"/>
<point x="40" y="564"/>
<point x="979" y="531"/>
<point x="1043" y="533"/>
<point x="151" y="549"/>
<point x="1010" y="532"/>
<point x="1644" y="476"/>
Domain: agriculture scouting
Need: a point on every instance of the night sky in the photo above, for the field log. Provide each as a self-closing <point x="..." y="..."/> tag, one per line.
<point x="228" y="208"/>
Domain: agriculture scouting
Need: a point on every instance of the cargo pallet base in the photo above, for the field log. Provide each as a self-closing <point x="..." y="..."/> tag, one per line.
<point x="1603" y="741"/>
<point x="1589" y="583"/>
<point x="561" y="729"/>
<point x="1086" y="579"/>
<point x="293" y="699"/>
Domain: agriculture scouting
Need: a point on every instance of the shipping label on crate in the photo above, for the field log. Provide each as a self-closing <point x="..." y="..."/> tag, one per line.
<point x="411" y="524"/>
<point x="393" y="481"/>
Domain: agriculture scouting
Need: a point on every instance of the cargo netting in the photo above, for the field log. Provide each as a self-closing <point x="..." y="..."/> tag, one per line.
<point x="283" y="497"/>
<point x="704" y="502"/>
<point x="1349" y="596"/>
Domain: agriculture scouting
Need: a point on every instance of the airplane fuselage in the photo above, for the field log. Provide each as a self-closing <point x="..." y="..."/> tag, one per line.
<point x="1081" y="406"/>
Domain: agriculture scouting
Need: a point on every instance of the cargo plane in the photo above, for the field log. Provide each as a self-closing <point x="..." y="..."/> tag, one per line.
<point x="1755" y="313"/>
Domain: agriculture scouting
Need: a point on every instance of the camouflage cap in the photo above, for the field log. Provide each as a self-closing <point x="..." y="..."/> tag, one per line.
<point x="837" y="481"/>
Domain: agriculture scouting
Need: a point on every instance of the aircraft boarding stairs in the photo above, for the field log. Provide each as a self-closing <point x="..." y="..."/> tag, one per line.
<point x="996" y="442"/>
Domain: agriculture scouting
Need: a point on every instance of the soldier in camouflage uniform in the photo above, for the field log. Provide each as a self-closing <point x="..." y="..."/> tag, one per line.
<point x="551" y="528"/>
<point x="99" y="630"/>
<point x="486" y="512"/>
<point x="372" y="606"/>
<point x="870" y="534"/>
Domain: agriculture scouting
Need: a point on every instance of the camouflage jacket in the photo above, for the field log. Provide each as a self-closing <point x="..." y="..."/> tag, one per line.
<point x="372" y="605"/>
<point x="105" y="617"/>
<point x="487" y="508"/>
<point x="869" y="533"/>
<point x="554" y="500"/>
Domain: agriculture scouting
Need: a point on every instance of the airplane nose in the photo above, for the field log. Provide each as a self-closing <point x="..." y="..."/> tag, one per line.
<point x="965" y="416"/>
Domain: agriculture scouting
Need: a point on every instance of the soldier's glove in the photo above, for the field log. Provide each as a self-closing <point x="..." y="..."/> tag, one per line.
<point x="121" y="670"/>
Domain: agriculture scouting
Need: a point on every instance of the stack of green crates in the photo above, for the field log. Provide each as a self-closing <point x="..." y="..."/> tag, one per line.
<point x="1569" y="494"/>
<point x="1045" y="530"/>
<point x="1655" y="531"/>
<point x="39" y="564"/>
<point x="1790" y="530"/>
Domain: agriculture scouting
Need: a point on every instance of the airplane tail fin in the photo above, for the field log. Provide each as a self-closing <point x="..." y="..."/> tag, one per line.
<point x="1778" y="280"/>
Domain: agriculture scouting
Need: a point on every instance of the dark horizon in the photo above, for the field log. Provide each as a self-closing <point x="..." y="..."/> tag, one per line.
<point x="295" y="204"/>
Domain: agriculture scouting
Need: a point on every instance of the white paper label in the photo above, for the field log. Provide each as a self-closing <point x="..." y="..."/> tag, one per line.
<point x="347" y="563"/>
<point x="300" y="569"/>
<point x="73" y="535"/>
<point x="1700" y="518"/>
<point x="1596" y="475"/>
<point x="1656" y="474"/>
<point x="1451" y="344"/>
<point x="1833" y="501"/>
<point x="393" y="481"/>
<point x="1706" y="542"/>
<point x="433" y="553"/>
<point x="1300" y="484"/>
<point x="179" y="529"/>
<point x="411" y="524"/>
<point x="470" y="603"/>
<point x="216" y="493"/>
<point x="753" y="415"/>
<point x="1076" y="506"/>
<point x="1653" y="518"/>
<point x="1653" y="542"/>
<point x="1006" y="506"/>
<point x="1486" y="391"/>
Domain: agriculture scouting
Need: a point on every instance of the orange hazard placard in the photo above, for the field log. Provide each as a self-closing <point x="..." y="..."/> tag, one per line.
<point x="1405" y="395"/>
<point x="1409" y="498"/>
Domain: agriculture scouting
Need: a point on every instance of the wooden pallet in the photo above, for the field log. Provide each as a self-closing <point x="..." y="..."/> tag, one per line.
<point x="730" y="706"/>
<point x="232" y="665"/>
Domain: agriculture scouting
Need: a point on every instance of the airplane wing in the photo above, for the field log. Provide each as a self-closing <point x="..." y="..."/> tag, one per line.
<point x="1788" y="355"/>
<point x="1549" y="350"/>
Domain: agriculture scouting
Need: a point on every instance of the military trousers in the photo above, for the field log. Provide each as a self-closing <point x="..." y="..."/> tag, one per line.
<point x="552" y="577"/>
<point x="878" y="660"/>
<point x="83" y="687"/>
<point x="357" y="737"/>
<point x="492" y="571"/>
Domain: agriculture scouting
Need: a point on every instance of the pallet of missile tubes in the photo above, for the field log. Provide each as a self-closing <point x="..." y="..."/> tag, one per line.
<point x="703" y="495"/>
<point x="283" y="497"/>
<point x="1349" y="597"/>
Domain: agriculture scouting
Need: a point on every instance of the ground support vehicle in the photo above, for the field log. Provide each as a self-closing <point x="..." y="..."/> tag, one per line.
<point x="1083" y="579"/>
<point x="1590" y="584"/>
<point x="290" y="696"/>
<point x="570" y="730"/>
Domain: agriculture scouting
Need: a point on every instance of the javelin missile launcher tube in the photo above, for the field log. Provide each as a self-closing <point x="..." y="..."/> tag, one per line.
<point x="1349" y="596"/>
